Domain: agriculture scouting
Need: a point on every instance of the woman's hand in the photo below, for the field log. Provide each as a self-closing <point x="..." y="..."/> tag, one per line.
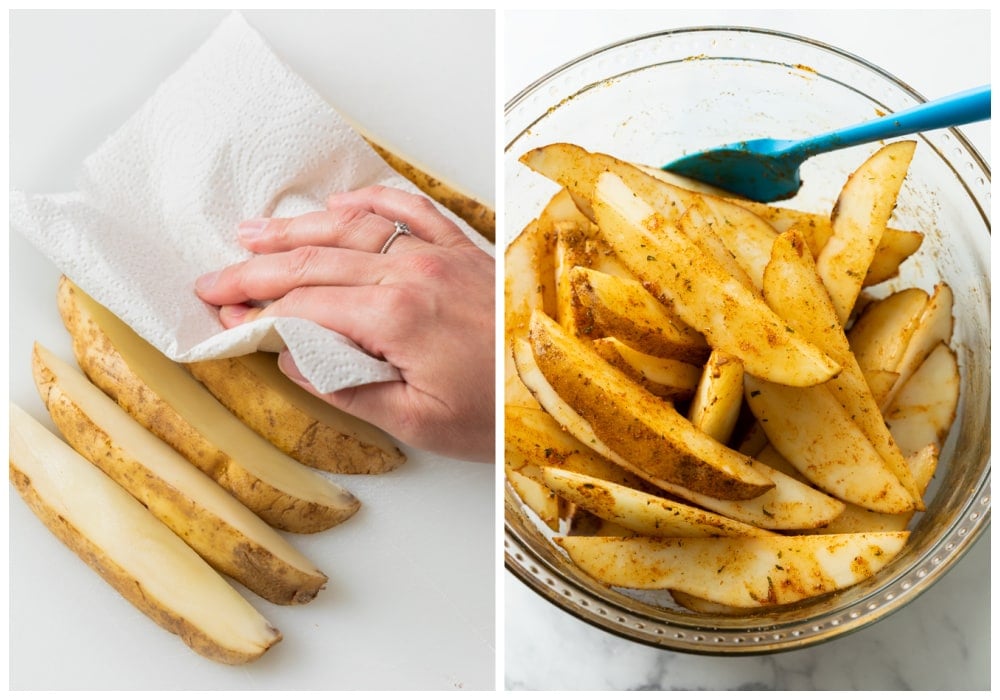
<point x="426" y="306"/>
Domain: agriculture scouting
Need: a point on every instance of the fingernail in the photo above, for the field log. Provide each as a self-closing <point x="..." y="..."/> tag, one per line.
<point x="233" y="313"/>
<point x="287" y="365"/>
<point x="254" y="228"/>
<point x="206" y="281"/>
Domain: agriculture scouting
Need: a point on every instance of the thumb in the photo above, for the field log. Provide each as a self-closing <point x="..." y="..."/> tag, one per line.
<point x="377" y="403"/>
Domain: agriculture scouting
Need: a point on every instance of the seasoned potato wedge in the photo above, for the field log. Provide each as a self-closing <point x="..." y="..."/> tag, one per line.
<point x="745" y="572"/>
<point x="810" y="428"/>
<point x="793" y="288"/>
<point x="859" y="219"/>
<point x="541" y="441"/>
<point x="611" y="306"/>
<point x="642" y="429"/>
<point x="164" y="578"/>
<point x="660" y="376"/>
<point x="299" y="424"/>
<point x="168" y="401"/>
<point x="790" y="505"/>
<point x="717" y="401"/>
<point x="924" y="408"/>
<point x="641" y="512"/>
<point x="702" y="293"/>
<point x="212" y="522"/>
<point x="934" y="327"/>
<point x="536" y="496"/>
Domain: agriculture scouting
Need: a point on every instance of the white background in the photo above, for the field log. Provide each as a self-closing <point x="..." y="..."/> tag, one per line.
<point x="410" y="603"/>
<point x="942" y="640"/>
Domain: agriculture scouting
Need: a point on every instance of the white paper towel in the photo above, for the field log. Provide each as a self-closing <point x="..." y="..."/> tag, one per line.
<point x="234" y="134"/>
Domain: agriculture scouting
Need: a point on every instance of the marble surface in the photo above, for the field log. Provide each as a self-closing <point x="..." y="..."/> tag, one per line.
<point x="410" y="602"/>
<point x="941" y="641"/>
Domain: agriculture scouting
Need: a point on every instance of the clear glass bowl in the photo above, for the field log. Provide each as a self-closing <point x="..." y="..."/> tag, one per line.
<point x="656" y="97"/>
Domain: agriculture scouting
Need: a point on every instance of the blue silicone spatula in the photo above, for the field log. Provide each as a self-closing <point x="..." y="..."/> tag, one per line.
<point x="767" y="170"/>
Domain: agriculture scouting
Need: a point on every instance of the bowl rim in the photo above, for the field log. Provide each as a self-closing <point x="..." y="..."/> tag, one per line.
<point x="835" y="624"/>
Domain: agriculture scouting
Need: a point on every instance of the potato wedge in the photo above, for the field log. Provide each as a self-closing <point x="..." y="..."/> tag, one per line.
<point x="810" y="428"/>
<point x="669" y="379"/>
<point x="879" y="336"/>
<point x="128" y="547"/>
<point x="610" y="306"/>
<point x="529" y="283"/>
<point x="299" y="424"/>
<point x="895" y="247"/>
<point x="641" y="512"/>
<point x="213" y="523"/>
<point x="541" y="441"/>
<point x="645" y="431"/>
<point x="164" y="397"/>
<point x="719" y="397"/>
<point x="790" y="505"/>
<point x="700" y="224"/>
<point x="476" y="214"/>
<point x="925" y="407"/>
<point x="536" y="496"/>
<point x="702" y="293"/>
<point x="746" y="572"/>
<point x="859" y="219"/>
<point x="934" y="326"/>
<point x="794" y="289"/>
<point x="746" y="236"/>
<point x="922" y="464"/>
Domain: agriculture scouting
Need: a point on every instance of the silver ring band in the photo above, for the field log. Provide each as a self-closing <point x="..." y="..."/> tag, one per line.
<point x="401" y="230"/>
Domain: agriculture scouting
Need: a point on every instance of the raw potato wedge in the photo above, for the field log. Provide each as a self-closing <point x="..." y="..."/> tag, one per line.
<point x="790" y="505"/>
<point x="717" y="401"/>
<point x="702" y="293"/>
<point x="164" y="397"/>
<point x="299" y="424"/>
<point x="859" y="219"/>
<point x="476" y="214"/>
<point x="644" y="430"/>
<point x="670" y="379"/>
<point x="641" y="512"/>
<point x="129" y="548"/>
<point x="793" y="288"/>
<point x="746" y="572"/>
<point x="221" y="529"/>
<point x="810" y="428"/>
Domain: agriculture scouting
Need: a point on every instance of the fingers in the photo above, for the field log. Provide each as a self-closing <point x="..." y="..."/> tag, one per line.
<point x="419" y="213"/>
<point x="273" y="276"/>
<point x="351" y="227"/>
<point x="363" y="314"/>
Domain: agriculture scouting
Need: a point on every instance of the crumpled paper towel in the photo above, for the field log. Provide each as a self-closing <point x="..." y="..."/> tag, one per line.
<point x="234" y="134"/>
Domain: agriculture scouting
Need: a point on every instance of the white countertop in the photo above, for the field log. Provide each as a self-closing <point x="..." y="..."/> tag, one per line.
<point x="939" y="642"/>
<point x="410" y="603"/>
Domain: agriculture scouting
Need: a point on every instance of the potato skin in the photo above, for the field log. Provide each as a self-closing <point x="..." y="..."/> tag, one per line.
<point x="620" y="417"/>
<point x="124" y="583"/>
<point x="106" y="368"/>
<point x="347" y="447"/>
<point x="476" y="214"/>
<point x="219" y="543"/>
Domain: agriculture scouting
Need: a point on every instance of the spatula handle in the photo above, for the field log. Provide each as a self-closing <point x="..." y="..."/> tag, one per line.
<point x="961" y="108"/>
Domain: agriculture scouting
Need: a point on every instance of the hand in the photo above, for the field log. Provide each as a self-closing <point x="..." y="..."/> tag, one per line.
<point x="426" y="306"/>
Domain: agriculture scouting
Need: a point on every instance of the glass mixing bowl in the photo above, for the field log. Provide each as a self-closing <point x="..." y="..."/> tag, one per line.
<point x="657" y="97"/>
